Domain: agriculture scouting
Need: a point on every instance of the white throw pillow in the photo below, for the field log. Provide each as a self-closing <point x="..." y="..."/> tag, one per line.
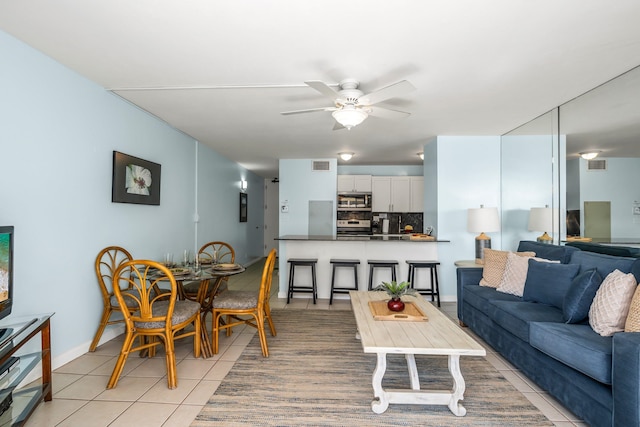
<point x="515" y="274"/>
<point x="610" y="306"/>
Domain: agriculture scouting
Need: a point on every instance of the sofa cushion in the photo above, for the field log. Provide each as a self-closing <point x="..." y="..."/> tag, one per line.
<point x="578" y="299"/>
<point x="605" y="264"/>
<point x="610" y="306"/>
<point x="516" y="316"/>
<point x="547" y="251"/>
<point x="577" y="346"/>
<point x="494" y="264"/>
<point x="548" y="283"/>
<point x="515" y="274"/>
<point x="478" y="296"/>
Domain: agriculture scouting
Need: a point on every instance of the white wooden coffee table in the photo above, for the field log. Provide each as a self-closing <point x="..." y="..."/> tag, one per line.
<point x="437" y="336"/>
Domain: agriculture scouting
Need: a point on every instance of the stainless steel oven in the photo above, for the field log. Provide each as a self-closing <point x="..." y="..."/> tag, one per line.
<point x="353" y="226"/>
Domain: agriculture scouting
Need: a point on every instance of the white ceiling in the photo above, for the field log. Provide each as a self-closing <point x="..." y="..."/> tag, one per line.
<point x="222" y="71"/>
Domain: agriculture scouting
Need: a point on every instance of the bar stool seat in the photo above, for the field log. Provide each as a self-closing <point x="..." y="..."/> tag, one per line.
<point x="302" y="262"/>
<point x="381" y="263"/>
<point x="338" y="263"/>
<point x="433" y="290"/>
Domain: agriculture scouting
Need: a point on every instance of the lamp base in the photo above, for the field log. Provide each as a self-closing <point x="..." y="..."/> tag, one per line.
<point x="482" y="241"/>
<point x="545" y="238"/>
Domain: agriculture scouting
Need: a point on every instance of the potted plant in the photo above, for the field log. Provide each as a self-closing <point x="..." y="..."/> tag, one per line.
<point x="396" y="291"/>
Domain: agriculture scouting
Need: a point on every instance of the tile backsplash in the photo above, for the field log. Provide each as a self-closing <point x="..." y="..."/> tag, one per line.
<point x="397" y="221"/>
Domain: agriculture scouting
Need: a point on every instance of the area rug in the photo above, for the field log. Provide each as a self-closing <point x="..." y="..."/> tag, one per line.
<point x="317" y="375"/>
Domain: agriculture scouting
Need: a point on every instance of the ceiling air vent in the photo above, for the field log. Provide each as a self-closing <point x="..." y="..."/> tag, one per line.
<point x="597" y="165"/>
<point x="321" y="165"/>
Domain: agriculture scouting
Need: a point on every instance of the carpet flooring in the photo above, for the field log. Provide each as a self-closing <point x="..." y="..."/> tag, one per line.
<point x="317" y="375"/>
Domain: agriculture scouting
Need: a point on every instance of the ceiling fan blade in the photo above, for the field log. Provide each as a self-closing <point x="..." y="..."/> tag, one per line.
<point x="323" y="89"/>
<point x="310" y="110"/>
<point x="392" y="91"/>
<point x="387" y="113"/>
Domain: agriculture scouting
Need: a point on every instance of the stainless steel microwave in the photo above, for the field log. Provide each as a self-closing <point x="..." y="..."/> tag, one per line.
<point x="354" y="201"/>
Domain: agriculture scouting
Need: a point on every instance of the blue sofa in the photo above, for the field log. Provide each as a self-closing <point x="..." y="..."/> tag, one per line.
<point x="596" y="377"/>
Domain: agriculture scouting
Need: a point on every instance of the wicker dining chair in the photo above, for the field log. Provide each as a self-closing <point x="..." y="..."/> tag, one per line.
<point x="234" y="304"/>
<point x="220" y="252"/>
<point x="159" y="317"/>
<point x="107" y="261"/>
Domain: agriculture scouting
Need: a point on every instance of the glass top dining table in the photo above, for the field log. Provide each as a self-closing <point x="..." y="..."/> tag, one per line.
<point x="210" y="278"/>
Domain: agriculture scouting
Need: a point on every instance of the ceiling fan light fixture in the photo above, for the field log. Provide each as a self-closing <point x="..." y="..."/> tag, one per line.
<point x="345" y="156"/>
<point x="349" y="116"/>
<point x="590" y="155"/>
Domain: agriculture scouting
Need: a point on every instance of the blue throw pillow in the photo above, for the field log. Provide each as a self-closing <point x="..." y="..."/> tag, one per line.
<point x="548" y="283"/>
<point x="580" y="296"/>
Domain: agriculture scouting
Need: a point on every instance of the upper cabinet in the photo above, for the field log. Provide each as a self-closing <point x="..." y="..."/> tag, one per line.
<point x="354" y="183"/>
<point x="393" y="194"/>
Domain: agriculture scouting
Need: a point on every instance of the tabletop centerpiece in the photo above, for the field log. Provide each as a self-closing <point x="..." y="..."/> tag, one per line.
<point x="396" y="291"/>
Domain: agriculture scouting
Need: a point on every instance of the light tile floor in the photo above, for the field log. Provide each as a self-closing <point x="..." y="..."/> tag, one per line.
<point x="142" y="398"/>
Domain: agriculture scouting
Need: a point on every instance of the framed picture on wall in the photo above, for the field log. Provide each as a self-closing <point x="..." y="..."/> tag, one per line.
<point x="243" y="207"/>
<point x="135" y="180"/>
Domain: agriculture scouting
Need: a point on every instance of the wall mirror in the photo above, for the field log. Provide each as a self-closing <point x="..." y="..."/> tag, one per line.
<point x="597" y="199"/>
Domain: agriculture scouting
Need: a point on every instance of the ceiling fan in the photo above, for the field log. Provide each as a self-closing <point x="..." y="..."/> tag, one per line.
<point x="351" y="106"/>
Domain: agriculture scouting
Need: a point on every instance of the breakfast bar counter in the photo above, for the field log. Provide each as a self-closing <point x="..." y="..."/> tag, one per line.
<point x="397" y="247"/>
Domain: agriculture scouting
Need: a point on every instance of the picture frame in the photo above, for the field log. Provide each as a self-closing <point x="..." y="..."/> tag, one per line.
<point x="243" y="207"/>
<point x="135" y="180"/>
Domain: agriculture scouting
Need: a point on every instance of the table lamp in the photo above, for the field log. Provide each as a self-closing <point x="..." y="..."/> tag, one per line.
<point x="541" y="219"/>
<point x="482" y="220"/>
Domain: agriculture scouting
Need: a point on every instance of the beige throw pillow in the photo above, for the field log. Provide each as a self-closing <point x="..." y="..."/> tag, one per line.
<point x="494" y="264"/>
<point x="610" y="306"/>
<point x="515" y="273"/>
<point x="632" y="324"/>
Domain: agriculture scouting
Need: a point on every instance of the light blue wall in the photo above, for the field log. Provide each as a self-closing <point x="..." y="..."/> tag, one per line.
<point x="468" y="175"/>
<point x="382" y="170"/>
<point x="57" y="136"/>
<point x="219" y="205"/>
<point x="430" y="173"/>
<point x="298" y="185"/>
<point x="573" y="184"/>
<point x="619" y="185"/>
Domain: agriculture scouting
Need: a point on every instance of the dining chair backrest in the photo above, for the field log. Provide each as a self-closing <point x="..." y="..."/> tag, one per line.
<point x="220" y="252"/>
<point x="267" y="278"/>
<point x="107" y="262"/>
<point x="152" y="302"/>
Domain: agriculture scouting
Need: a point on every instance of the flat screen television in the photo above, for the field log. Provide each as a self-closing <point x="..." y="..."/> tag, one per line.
<point x="6" y="271"/>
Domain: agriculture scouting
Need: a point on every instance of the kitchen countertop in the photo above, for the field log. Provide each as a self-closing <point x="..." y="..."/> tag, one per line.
<point x="359" y="237"/>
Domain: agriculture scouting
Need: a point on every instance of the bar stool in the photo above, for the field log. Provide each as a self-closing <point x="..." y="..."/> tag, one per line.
<point x="377" y="263"/>
<point x="434" y="290"/>
<point x="349" y="263"/>
<point x="302" y="262"/>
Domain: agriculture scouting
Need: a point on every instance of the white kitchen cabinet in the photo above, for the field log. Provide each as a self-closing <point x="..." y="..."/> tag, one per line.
<point x="354" y="183"/>
<point x="417" y="194"/>
<point x="391" y="193"/>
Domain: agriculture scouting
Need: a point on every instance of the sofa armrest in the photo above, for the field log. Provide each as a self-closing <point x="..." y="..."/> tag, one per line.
<point x="626" y="379"/>
<point x="466" y="276"/>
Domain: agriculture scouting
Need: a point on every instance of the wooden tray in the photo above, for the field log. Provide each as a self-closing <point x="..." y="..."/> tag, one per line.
<point x="411" y="312"/>
<point x="422" y="237"/>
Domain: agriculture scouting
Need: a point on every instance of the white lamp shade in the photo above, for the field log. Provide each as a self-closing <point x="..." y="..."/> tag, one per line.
<point x="345" y="156"/>
<point x="483" y="220"/>
<point x="541" y="219"/>
<point x="349" y="116"/>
